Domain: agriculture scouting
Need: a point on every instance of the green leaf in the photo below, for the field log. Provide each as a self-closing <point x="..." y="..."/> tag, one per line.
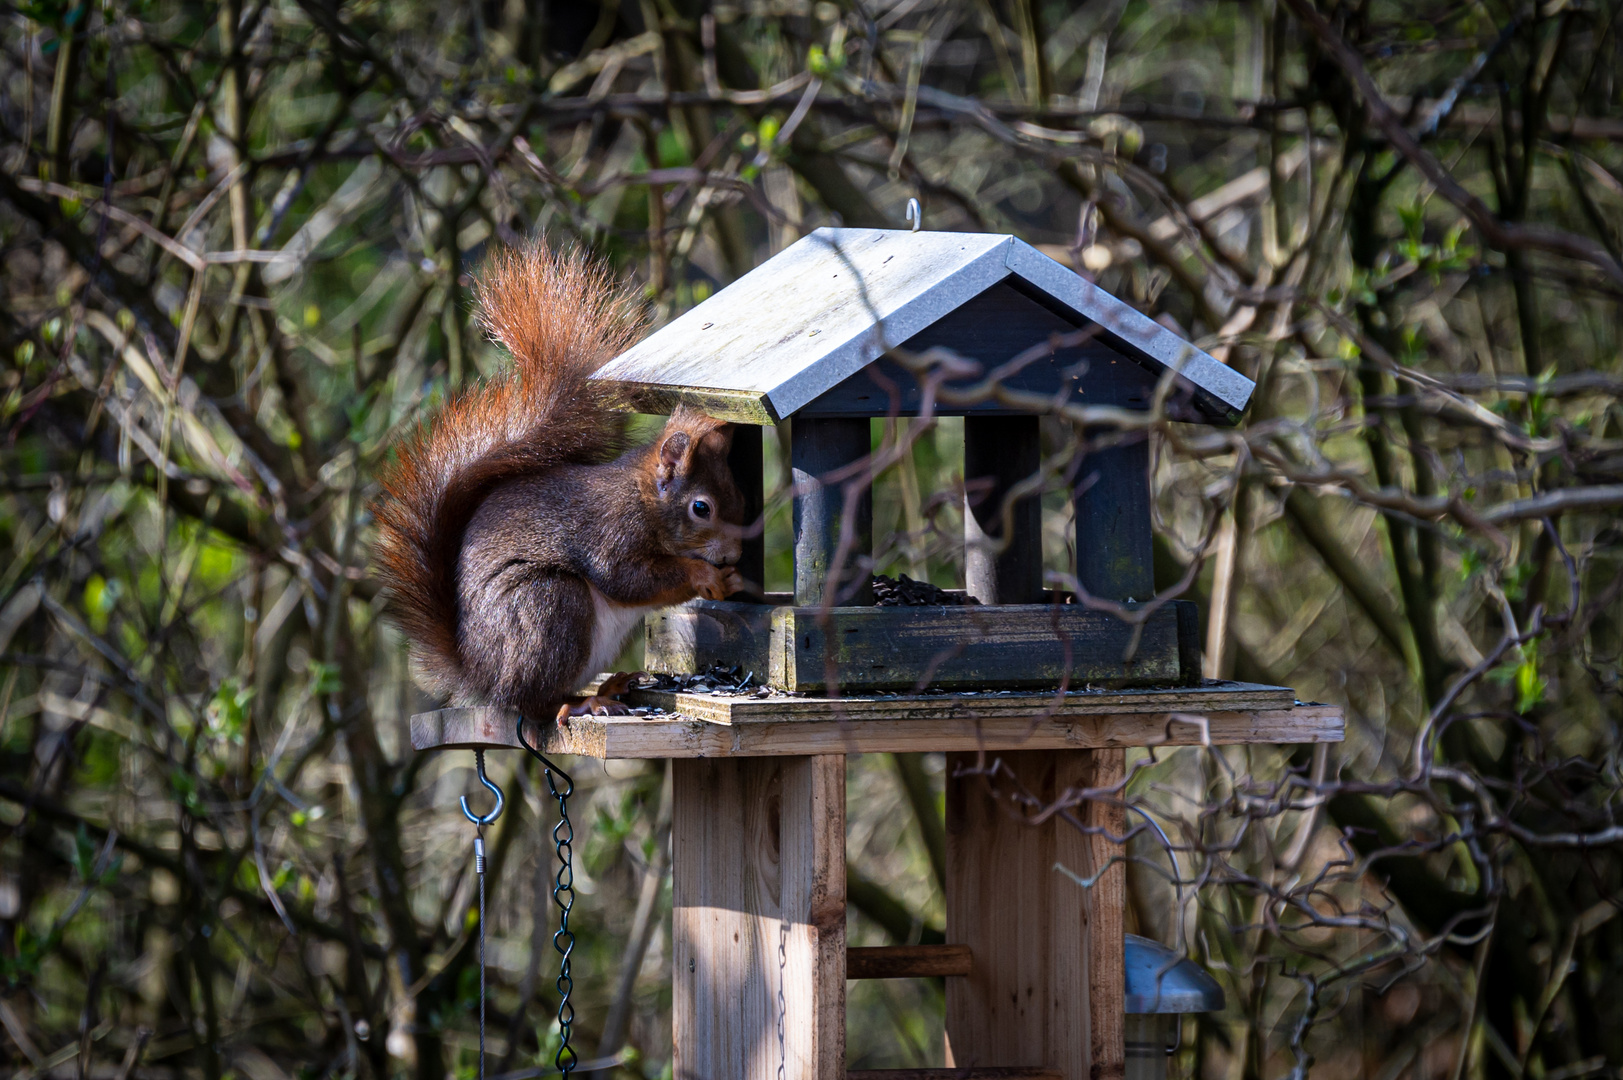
<point x="84" y="854"/>
<point x="228" y="711"/>
<point x="1529" y="686"/>
<point x="325" y="677"/>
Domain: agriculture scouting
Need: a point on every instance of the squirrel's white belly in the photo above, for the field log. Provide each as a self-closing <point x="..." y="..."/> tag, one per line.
<point x="612" y="624"/>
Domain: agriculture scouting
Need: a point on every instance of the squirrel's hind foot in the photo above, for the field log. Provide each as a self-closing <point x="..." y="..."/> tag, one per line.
<point x="603" y="702"/>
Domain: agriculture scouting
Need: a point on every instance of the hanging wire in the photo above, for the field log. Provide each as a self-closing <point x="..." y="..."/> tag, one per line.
<point x="479" y="822"/>
<point x="563" y="894"/>
<point x="479" y="869"/>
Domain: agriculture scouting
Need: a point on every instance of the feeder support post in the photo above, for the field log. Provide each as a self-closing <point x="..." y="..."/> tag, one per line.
<point x="758" y="918"/>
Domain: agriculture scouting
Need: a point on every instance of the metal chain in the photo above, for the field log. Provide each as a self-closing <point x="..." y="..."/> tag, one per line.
<point x="563" y="894"/>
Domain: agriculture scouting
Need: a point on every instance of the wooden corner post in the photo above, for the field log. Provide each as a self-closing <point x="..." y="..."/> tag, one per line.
<point x="818" y="448"/>
<point x="758" y="918"/>
<point x="1047" y="968"/>
<point x="749" y="472"/>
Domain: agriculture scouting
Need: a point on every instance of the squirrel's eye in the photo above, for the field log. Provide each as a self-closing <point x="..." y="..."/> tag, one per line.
<point x="701" y="509"/>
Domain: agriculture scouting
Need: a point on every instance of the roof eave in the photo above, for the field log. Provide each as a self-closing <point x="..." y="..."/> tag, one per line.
<point x="1222" y="392"/>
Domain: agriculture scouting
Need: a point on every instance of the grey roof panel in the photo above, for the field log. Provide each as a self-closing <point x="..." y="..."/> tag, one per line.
<point x="837" y="299"/>
<point x="818" y="312"/>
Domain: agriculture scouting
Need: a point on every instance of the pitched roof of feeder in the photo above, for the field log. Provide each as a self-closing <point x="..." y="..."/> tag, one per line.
<point x="837" y="299"/>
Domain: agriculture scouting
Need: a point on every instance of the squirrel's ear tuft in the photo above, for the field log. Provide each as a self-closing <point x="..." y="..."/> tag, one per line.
<point x="674" y="450"/>
<point x="675" y="454"/>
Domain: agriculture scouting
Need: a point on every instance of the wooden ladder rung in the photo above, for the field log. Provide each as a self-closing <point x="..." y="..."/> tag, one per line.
<point x="996" y="1072"/>
<point x="908" y="962"/>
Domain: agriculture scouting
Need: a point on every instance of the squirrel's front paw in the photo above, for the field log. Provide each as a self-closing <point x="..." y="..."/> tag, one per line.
<point x="716" y="582"/>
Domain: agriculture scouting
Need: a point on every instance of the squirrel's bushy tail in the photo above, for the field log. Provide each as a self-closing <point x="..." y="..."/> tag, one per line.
<point x="561" y="317"/>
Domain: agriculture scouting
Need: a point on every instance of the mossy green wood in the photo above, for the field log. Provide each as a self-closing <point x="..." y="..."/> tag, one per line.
<point x="1015" y="646"/>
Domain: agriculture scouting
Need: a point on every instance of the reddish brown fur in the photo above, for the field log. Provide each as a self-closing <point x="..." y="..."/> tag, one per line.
<point x="502" y="520"/>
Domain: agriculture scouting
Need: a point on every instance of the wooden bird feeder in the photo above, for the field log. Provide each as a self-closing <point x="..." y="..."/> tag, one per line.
<point x="1035" y="982"/>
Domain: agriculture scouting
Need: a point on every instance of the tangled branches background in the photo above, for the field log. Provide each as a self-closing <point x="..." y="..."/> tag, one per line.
<point x="236" y="242"/>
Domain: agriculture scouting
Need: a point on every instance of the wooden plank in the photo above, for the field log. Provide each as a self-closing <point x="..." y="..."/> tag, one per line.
<point x="697" y="635"/>
<point x="748" y="468"/>
<point x="729" y="708"/>
<point x="1002" y="451"/>
<point x="736" y="406"/>
<point x="818" y="449"/>
<point x="1103" y="914"/>
<point x="949" y="648"/>
<point x="758" y="919"/>
<point x="492" y="728"/>
<point x="1002" y="646"/>
<point x="466" y="729"/>
<point x="1013" y="1073"/>
<point x="679" y="737"/>
<point x="813" y="875"/>
<point x="1024" y="1001"/>
<point x="908" y="961"/>
<point x="1115" y="553"/>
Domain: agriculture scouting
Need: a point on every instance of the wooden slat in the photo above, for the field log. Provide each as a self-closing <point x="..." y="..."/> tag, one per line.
<point x="1026" y="999"/>
<point x="1106" y="901"/>
<point x="729" y="708"/>
<point x="758" y="918"/>
<point x="1017" y="1072"/>
<point x="738" y="406"/>
<point x="1003" y="646"/>
<point x="684" y="737"/>
<point x="635" y="737"/>
<point x="907" y="961"/>
<point x="466" y="729"/>
<point x="733" y="709"/>
<point x="697" y="636"/>
<point x="950" y="648"/>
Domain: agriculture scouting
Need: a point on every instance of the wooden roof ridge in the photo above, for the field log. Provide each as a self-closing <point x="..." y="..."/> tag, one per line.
<point x="837" y="299"/>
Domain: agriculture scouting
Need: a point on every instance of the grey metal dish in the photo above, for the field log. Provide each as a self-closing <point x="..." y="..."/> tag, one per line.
<point x="1159" y="982"/>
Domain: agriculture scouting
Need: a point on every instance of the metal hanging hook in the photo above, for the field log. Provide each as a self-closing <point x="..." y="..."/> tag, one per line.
<point x="915" y="215"/>
<point x="479" y="767"/>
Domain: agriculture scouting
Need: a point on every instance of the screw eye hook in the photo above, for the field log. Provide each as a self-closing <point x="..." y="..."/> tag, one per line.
<point x="479" y="763"/>
<point x="915" y="216"/>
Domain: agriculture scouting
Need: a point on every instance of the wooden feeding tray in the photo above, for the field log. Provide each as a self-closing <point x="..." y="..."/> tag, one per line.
<point x="679" y="724"/>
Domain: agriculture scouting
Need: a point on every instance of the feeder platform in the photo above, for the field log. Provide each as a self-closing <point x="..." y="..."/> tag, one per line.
<point x="1033" y="962"/>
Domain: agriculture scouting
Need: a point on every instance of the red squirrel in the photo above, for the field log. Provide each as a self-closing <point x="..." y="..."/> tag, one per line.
<point x="521" y="541"/>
